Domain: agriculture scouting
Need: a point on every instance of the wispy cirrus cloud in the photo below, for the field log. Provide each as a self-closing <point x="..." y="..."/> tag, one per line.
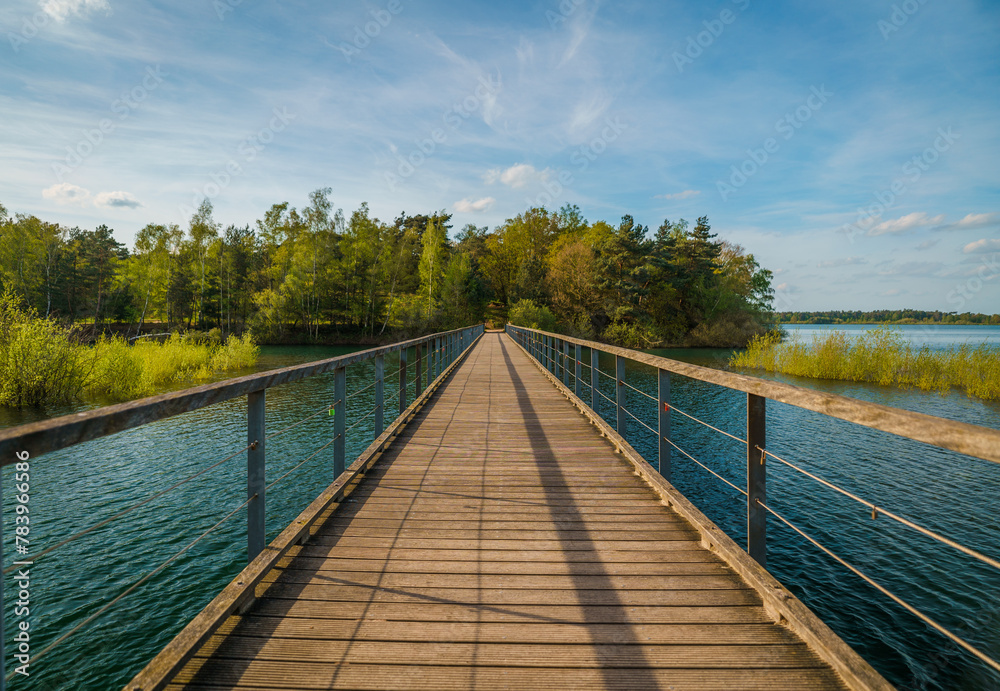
<point x="517" y="176"/>
<point x="466" y="206"/>
<point x="982" y="246"/>
<point x="974" y="221"/>
<point x="686" y="194"/>
<point x="61" y="9"/>
<point x="904" y="224"/>
<point x="912" y="269"/>
<point x="843" y="261"/>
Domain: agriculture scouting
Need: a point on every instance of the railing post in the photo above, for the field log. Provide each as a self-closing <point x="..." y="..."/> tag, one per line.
<point x="576" y="370"/>
<point x="565" y="360"/>
<point x="756" y="478"/>
<point x="620" y="395"/>
<point x="545" y="352"/>
<point x="419" y="373"/>
<point x="339" y="419"/>
<point x="402" y="380"/>
<point x="664" y="426"/>
<point x="379" y="395"/>
<point x="255" y="473"/>
<point x="595" y="356"/>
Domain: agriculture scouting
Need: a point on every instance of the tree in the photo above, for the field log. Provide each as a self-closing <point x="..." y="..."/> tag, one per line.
<point x="432" y="264"/>
<point x="458" y="291"/>
<point x="203" y="231"/>
<point x="624" y="270"/>
<point x="151" y="262"/>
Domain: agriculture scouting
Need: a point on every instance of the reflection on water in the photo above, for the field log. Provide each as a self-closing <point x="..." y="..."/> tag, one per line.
<point x="947" y="492"/>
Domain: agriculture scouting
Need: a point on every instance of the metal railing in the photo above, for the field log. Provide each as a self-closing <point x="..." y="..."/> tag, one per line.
<point x="553" y="353"/>
<point x="433" y="355"/>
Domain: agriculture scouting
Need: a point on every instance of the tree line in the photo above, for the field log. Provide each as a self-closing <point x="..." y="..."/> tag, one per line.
<point x="314" y="274"/>
<point x="903" y="316"/>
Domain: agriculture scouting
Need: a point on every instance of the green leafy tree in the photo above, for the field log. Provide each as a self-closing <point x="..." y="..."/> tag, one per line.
<point x="624" y="271"/>
<point x="433" y="256"/>
<point x="203" y="232"/>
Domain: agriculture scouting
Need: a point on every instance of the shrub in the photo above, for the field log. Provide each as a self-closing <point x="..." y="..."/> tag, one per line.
<point x="529" y="315"/>
<point x="630" y="335"/>
<point x="38" y="363"/>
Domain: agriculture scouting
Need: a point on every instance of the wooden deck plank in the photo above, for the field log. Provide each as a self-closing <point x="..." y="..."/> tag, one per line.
<point x="352" y="592"/>
<point x="285" y="676"/>
<point x="501" y="542"/>
<point x="578" y="614"/>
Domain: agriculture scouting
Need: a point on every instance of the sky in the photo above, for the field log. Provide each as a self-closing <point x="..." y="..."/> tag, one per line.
<point x="851" y="147"/>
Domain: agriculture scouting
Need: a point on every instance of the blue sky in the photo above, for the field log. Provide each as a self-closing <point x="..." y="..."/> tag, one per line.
<point x="851" y="146"/>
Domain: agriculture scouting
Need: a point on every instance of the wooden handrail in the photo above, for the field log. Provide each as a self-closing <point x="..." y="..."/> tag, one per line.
<point x="972" y="440"/>
<point x="45" y="436"/>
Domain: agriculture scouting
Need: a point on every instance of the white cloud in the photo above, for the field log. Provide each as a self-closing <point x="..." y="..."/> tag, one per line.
<point x="686" y="194"/>
<point x="892" y="292"/>
<point x="844" y="261"/>
<point x="517" y="176"/>
<point x="976" y="221"/>
<point x="117" y="200"/>
<point x="906" y="223"/>
<point x="61" y="9"/>
<point x="927" y="244"/>
<point x="466" y="206"/>
<point x="65" y="193"/>
<point x="982" y="246"/>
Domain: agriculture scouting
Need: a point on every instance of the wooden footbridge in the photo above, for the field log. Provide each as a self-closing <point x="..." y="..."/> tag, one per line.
<point x="500" y="534"/>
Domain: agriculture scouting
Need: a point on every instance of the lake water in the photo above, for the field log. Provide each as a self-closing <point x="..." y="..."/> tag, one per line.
<point x="936" y="337"/>
<point x="950" y="493"/>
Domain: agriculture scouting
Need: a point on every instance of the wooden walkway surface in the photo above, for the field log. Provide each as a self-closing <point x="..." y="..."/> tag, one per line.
<point x="502" y="543"/>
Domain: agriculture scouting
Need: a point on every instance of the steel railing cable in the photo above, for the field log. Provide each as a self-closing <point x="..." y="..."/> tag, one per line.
<point x="876" y="510"/>
<point x="741" y="491"/>
<point x="609" y="400"/>
<point x="135" y="585"/>
<point x="301" y="463"/>
<point x="362" y="419"/>
<point x="895" y="598"/>
<point x="629" y="413"/>
<point x="600" y="371"/>
<point x="123" y="512"/>
<point x="702" y="422"/>
<point x="879" y="511"/>
<point x="324" y="409"/>
<point x="640" y="391"/>
<point x="361" y="391"/>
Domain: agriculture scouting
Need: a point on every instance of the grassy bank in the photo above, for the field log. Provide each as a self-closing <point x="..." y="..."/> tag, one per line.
<point x="880" y="356"/>
<point x="40" y="364"/>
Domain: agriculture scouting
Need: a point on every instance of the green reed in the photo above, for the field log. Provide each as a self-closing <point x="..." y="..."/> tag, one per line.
<point x="40" y="364"/>
<point x="880" y="356"/>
